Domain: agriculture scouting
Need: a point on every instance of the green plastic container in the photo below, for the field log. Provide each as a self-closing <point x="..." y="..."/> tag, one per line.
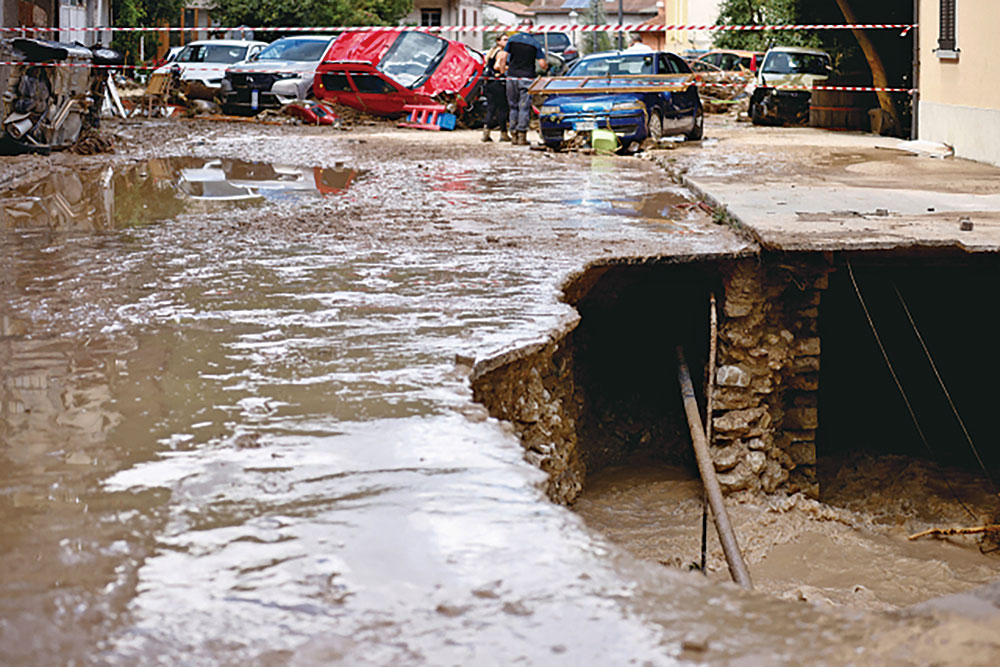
<point x="604" y="141"/>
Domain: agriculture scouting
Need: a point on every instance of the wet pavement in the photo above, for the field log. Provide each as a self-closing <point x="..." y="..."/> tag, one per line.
<point x="807" y="189"/>
<point x="237" y="432"/>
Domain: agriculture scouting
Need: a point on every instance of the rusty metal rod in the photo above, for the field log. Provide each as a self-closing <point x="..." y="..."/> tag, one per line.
<point x="713" y="335"/>
<point x="737" y="568"/>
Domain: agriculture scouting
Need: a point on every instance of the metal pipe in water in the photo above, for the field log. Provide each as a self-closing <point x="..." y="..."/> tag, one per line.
<point x="737" y="567"/>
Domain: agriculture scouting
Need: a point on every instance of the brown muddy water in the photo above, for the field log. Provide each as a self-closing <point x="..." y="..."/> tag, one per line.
<point x="235" y="431"/>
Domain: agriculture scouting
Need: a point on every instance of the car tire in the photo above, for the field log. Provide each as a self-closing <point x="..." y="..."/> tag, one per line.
<point x="654" y="126"/>
<point x="698" y="131"/>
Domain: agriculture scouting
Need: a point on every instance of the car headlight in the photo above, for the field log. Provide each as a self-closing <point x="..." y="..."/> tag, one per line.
<point x="289" y="75"/>
<point x="628" y="106"/>
<point x="549" y="110"/>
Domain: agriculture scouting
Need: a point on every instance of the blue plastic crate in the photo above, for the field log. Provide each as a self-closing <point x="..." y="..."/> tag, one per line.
<point x="446" y="121"/>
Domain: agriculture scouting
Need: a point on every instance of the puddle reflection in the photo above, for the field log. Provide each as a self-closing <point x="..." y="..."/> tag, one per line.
<point x="158" y="190"/>
<point x="662" y="211"/>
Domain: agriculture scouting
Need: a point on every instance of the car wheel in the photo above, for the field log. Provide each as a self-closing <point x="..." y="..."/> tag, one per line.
<point x="654" y="126"/>
<point x="698" y="131"/>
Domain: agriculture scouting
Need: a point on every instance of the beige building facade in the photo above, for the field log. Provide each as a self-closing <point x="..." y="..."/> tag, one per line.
<point x="684" y="12"/>
<point x="959" y="99"/>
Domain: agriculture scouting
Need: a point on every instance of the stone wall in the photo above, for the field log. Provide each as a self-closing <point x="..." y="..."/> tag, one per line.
<point x="765" y="412"/>
<point x="535" y="392"/>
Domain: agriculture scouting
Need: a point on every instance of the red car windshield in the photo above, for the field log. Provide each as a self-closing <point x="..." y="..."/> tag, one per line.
<point x="413" y="57"/>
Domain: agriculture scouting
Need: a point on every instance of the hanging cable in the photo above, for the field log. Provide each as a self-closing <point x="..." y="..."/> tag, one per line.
<point x="943" y="387"/>
<point x="902" y="392"/>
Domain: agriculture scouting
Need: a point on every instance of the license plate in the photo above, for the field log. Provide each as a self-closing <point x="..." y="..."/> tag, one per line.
<point x="254" y="99"/>
<point x="585" y="126"/>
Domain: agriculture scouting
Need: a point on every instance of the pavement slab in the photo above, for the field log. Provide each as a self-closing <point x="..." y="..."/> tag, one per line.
<point x="806" y="189"/>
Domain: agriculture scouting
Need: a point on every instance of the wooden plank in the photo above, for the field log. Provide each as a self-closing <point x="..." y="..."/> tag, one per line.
<point x="158" y="84"/>
<point x="643" y="83"/>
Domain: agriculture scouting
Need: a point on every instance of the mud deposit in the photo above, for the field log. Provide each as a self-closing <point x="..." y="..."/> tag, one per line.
<point x="245" y="434"/>
<point x="849" y="549"/>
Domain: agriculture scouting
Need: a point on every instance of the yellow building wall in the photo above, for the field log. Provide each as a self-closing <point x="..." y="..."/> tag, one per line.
<point x="974" y="79"/>
<point x="959" y="99"/>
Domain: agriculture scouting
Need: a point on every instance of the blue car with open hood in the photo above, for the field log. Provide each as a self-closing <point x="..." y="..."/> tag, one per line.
<point x="635" y="94"/>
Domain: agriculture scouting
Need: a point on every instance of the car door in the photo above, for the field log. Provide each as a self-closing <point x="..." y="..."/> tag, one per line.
<point x="677" y="108"/>
<point x="730" y="62"/>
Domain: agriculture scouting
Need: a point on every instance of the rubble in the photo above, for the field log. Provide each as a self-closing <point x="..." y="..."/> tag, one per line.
<point x="724" y="92"/>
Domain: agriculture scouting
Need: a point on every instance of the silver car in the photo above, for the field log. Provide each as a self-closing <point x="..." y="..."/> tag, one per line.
<point x="281" y="73"/>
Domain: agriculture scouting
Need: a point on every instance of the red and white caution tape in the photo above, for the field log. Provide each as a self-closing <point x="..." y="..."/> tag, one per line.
<point x="700" y="83"/>
<point x="569" y="27"/>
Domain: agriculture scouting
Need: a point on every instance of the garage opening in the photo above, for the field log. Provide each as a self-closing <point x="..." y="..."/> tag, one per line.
<point x="935" y="408"/>
<point x="625" y="370"/>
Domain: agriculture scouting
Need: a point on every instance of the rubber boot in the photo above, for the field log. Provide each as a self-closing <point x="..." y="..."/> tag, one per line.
<point x="524" y="139"/>
<point x="486" y="134"/>
<point x="504" y="136"/>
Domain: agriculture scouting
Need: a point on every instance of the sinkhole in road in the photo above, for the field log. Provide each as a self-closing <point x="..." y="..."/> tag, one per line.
<point x="825" y="473"/>
<point x="816" y="391"/>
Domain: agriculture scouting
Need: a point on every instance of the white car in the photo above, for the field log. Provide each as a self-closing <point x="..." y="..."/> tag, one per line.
<point x="203" y="63"/>
<point x="797" y="68"/>
<point x="282" y="73"/>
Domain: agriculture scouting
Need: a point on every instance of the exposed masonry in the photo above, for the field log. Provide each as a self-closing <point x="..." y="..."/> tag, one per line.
<point x="765" y="401"/>
<point x="537" y="394"/>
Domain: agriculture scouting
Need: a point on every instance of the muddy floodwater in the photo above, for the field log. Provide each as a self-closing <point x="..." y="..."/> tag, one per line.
<point x="236" y="423"/>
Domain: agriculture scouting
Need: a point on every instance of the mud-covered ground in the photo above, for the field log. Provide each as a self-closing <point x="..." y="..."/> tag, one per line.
<point x="196" y="583"/>
<point x="849" y="549"/>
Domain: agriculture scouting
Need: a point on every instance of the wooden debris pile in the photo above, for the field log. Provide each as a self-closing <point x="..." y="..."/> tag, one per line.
<point x="724" y="92"/>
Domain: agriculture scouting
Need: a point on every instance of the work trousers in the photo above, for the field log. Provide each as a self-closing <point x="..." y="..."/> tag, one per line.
<point x="496" y="104"/>
<point x="520" y="103"/>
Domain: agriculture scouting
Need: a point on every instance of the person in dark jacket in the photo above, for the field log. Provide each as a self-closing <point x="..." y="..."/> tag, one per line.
<point x="496" y="90"/>
<point x="524" y="55"/>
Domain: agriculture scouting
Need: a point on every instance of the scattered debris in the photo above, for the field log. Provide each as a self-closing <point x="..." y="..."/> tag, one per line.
<point x="945" y="532"/>
<point x="313" y="113"/>
<point x="92" y="142"/>
<point x="724" y="92"/>
<point x="45" y="106"/>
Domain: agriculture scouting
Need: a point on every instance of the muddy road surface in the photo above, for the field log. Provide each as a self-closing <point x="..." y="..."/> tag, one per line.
<point x="236" y="426"/>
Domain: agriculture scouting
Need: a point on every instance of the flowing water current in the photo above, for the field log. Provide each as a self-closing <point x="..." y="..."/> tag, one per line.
<point x="221" y="444"/>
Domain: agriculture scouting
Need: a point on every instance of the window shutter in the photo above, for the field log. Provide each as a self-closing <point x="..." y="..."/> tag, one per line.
<point x="946" y="37"/>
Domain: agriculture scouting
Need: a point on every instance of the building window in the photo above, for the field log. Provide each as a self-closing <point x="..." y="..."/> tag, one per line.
<point x="946" y="35"/>
<point x="430" y="18"/>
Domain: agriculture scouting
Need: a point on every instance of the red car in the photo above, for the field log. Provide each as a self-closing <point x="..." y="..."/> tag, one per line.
<point x="380" y="71"/>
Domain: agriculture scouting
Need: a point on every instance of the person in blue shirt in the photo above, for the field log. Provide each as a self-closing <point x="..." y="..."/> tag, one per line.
<point x="524" y="55"/>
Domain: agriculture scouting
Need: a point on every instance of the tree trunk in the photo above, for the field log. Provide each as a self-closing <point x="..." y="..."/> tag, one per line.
<point x="879" y="78"/>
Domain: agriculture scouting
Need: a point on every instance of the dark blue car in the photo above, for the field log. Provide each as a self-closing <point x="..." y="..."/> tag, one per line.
<point x="636" y="94"/>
